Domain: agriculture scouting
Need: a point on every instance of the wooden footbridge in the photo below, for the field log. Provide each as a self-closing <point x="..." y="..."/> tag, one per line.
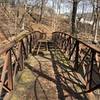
<point x="71" y="66"/>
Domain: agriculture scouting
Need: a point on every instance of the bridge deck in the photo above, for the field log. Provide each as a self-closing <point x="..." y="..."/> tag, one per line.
<point x="35" y="81"/>
<point x="43" y="80"/>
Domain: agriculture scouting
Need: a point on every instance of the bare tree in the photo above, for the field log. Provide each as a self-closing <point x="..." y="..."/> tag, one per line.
<point x="42" y="7"/>
<point x="96" y="20"/>
<point x="74" y="12"/>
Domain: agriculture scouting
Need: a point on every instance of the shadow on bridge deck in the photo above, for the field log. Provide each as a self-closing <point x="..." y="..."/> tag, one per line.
<point x="48" y="76"/>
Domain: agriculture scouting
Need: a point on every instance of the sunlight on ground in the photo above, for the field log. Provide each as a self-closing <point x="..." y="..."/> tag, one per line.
<point x="26" y="76"/>
<point x="24" y="83"/>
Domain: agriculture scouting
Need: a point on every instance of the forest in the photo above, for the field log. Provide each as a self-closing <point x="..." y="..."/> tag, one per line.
<point x="73" y="16"/>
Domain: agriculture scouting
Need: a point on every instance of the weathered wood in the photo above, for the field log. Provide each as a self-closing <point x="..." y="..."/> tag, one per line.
<point x="10" y="71"/>
<point x="15" y="70"/>
<point x="92" y="46"/>
<point x="30" y="44"/>
<point x="4" y="72"/>
<point x="86" y="63"/>
<point x="92" y="64"/>
<point x="72" y="51"/>
<point x="63" y="41"/>
<point x="26" y="45"/>
<point x="20" y="55"/>
<point x="38" y="47"/>
<point x="24" y="50"/>
<point x="16" y="52"/>
<point x="76" y="65"/>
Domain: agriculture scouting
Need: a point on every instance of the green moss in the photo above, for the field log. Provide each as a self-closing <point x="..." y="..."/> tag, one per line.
<point x="26" y="76"/>
<point x="14" y="97"/>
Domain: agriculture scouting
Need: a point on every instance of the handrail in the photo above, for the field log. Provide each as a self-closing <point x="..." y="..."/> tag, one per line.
<point x="24" y="42"/>
<point x="9" y="45"/>
<point x="17" y="39"/>
<point x="83" y="56"/>
<point x="16" y="51"/>
<point x="92" y="46"/>
<point x="23" y="34"/>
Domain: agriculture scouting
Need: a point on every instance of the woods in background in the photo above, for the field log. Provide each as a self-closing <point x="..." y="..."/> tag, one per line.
<point x="74" y="16"/>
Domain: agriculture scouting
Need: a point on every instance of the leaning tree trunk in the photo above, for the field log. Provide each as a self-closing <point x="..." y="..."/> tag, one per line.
<point x="74" y="12"/>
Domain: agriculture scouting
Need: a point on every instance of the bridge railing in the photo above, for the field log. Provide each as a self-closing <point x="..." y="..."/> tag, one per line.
<point x="15" y="52"/>
<point x="84" y="58"/>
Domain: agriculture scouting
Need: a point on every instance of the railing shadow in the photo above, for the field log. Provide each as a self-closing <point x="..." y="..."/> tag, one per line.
<point x="62" y="81"/>
<point x="40" y="74"/>
<point x="35" y="89"/>
<point x="68" y="79"/>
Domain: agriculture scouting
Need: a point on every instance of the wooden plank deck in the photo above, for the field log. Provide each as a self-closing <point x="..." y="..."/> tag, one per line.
<point x="35" y="81"/>
<point x="44" y="79"/>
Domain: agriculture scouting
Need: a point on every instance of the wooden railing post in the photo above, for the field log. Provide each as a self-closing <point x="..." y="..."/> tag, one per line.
<point x="60" y="40"/>
<point x="10" y="69"/>
<point x="69" y="45"/>
<point x="7" y="70"/>
<point x="24" y="49"/>
<point x="4" y="72"/>
<point x="91" y="66"/>
<point x="89" y="70"/>
<point x="30" y="44"/>
<point x="26" y="45"/>
<point x="20" y="55"/>
<point x="76" y="56"/>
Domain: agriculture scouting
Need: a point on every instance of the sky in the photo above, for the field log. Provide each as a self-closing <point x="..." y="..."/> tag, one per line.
<point x="68" y="7"/>
<point x="87" y="7"/>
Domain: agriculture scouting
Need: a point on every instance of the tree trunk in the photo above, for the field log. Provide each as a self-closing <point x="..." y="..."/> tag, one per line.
<point x="96" y="21"/>
<point x="41" y="11"/>
<point x="74" y="12"/>
<point x="96" y="32"/>
<point x="93" y="24"/>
